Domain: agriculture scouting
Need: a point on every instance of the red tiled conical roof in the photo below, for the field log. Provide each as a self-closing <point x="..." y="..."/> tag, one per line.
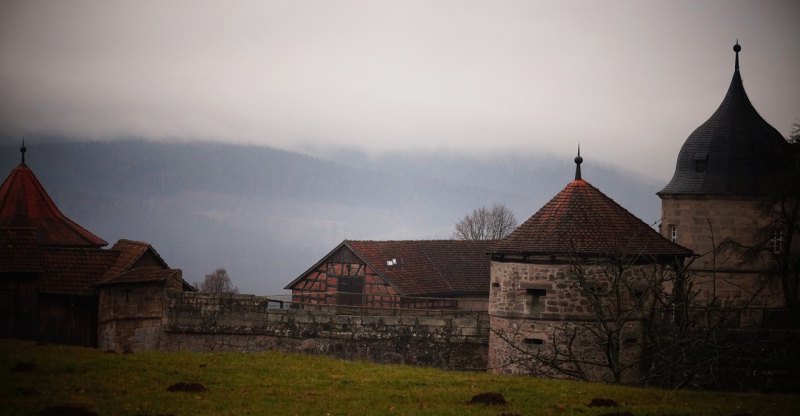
<point x="581" y="220"/>
<point x="25" y="203"/>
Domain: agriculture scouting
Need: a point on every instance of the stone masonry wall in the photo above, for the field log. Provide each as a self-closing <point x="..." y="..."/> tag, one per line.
<point x="444" y="339"/>
<point x="727" y="276"/>
<point x="535" y="308"/>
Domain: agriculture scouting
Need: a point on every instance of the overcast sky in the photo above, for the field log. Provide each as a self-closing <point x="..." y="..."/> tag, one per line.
<point x="629" y="81"/>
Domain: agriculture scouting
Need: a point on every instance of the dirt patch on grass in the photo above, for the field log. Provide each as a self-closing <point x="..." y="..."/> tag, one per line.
<point x="188" y="387"/>
<point x="67" y="410"/>
<point x="24" y="367"/>
<point x="602" y="403"/>
<point x="490" y="398"/>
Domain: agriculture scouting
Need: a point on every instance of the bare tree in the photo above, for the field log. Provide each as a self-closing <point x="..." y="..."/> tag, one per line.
<point x="484" y="223"/>
<point x="217" y="281"/>
<point x="794" y="136"/>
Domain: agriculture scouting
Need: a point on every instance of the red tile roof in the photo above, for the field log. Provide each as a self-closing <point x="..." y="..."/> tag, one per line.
<point x="425" y="267"/>
<point x="582" y="220"/>
<point x="25" y="203"/>
<point x="144" y="275"/>
<point x="73" y="271"/>
<point x="19" y="252"/>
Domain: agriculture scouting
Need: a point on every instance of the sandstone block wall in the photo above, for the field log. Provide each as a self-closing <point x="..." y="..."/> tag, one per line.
<point x="534" y="308"/>
<point x="728" y="276"/>
<point x="444" y="339"/>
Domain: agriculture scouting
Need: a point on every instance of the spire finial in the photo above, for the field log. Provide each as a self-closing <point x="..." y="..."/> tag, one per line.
<point x="22" y="150"/>
<point x="737" y="48"/>
<point x="578" y="161"/>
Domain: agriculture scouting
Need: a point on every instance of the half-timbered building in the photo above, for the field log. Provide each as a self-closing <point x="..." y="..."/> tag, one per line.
<point x="451" y="274"/>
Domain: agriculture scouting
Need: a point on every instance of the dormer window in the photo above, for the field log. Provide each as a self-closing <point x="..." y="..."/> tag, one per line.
<point x="700" y="162"/>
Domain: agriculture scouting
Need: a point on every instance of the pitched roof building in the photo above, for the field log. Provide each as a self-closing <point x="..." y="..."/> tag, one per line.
<point x="541" y="273"/>
<point x="582" y="221"/>
<point x="54" y="274"/>
<point x="413" y="273"/>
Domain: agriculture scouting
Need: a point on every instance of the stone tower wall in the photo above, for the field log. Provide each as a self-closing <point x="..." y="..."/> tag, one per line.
<point x="533" y="308"/>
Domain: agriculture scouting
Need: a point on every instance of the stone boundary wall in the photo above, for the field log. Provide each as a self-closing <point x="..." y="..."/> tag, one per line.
<point x="443" y="339"/>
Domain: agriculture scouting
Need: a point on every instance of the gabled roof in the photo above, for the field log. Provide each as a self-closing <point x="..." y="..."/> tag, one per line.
<point x="735" y="152"/>
<point x="424" y="267"/>
<point x="73" y="271"/>
<point x="581" y="220"/>
<point x="25" y="203"/>
<point x="130" y="252"/>
<point x="144" y="275"/>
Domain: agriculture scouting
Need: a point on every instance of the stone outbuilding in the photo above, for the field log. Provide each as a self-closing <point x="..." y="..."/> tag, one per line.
<point x="552" y="274"/>
<point x="733" y="199"/>
<point x="57" y="282"/>
<point x="440" y="274"/>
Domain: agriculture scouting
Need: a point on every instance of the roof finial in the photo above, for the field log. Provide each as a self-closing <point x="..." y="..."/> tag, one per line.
<point x="578" y="161"/>
<point x="22" y="150"/>
<point x="737" y="48"/>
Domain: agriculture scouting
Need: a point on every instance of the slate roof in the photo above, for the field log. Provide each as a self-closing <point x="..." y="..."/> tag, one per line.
<point x="424" y="267"/>
<point x="581" y="220"/>
<point x="25" y="203"/>
<point x="739" y="152"/>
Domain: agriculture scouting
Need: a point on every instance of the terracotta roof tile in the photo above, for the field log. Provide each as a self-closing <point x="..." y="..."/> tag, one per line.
<point x="582" y="220"/>
<point x="429" y="267"/>
<point x="19" y="252"/>
<point x="25" y="203"/>
<point x="73" y="271"/>
<point x="143" y="275"/>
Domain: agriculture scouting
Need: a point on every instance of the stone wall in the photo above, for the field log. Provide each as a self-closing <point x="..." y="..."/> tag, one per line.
<point x="726" y="277"/>
<point x="131" y="316"/>
<point x="536" y="310"/>
<point x="444" y="339"/>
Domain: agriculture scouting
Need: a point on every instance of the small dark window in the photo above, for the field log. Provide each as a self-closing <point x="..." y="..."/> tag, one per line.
<point x="495" y="284"/>
<point x="775" y="244"/>
<point x="534" y="341"/>
<point x="536" y="292"/>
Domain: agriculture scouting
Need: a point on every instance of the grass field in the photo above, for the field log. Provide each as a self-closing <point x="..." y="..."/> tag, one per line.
<point x="35" y="377"/>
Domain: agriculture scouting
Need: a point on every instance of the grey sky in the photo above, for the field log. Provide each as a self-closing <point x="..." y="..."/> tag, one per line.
<point x="628" y="80"/>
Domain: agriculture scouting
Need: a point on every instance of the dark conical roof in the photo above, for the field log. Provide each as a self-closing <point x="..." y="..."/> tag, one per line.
<point x="24" y="203"/>
<point x="735" y="152"/>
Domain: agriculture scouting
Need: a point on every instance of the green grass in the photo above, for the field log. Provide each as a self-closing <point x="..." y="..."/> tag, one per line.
<point x="274" y="383"/>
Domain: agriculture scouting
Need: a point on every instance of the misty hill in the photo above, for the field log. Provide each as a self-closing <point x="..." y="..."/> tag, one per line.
<point x="266" y="214"/>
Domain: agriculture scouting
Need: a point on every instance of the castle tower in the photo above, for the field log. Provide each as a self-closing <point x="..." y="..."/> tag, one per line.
<point x="544" y="275"/>
<point x="721" y="202"/>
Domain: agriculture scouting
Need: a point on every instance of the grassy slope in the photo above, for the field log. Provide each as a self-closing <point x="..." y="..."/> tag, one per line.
<point x="288" y="384"/>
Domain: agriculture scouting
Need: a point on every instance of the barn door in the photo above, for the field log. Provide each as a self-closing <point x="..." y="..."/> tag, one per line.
<point x="349" y="290"/>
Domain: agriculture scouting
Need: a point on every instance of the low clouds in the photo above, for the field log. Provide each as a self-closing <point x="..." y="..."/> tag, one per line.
<point x="621" y="79"/>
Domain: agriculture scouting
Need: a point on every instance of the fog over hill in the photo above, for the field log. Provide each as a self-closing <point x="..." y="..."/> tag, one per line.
<point x="266" y="215"/>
